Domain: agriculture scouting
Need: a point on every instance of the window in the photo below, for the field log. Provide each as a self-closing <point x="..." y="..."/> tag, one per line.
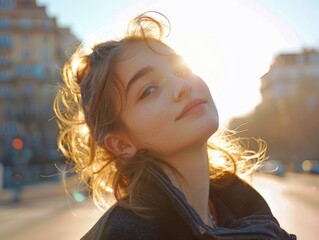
<point x="10" y="127"/>
<point x="22" y="70"/>
<point x="314" y="58"/>
<point x="45" y="54"/>
<point x="26" y="23"/>
<point x="4" y="75"/>
<point x="46" y="90"/>
<point x="6" y="92"/>
<point x="4" y="23"/>
<point x="28" y="90"/>
<point x="7" y="4"/>
<point x="35" y="70"/>
<point x="25" y="3"/>
<point x="10" y="110"/>
<point x="28" y="110"/>
<point x="38" y="71"/>
<point x="3" y="59"/>
<point x="5" y="41"/>
<point x="45" y="24"/>
<point x="25" y="38"/>
<point x="25" y="54"/>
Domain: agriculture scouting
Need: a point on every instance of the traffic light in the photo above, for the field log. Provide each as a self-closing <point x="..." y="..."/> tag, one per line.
<point x="17" y="143"/>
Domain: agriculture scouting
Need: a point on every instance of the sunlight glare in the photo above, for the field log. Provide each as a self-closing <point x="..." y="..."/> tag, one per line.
<point x="228" y="43"/>
<point x="236" y="42"/>
<point x="205" y="58"/>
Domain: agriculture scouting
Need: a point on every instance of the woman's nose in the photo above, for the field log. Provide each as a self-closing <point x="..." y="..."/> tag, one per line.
<point x="182" y="88"/>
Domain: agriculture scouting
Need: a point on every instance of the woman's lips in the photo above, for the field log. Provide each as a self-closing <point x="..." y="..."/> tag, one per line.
<point x="192" y="107"/>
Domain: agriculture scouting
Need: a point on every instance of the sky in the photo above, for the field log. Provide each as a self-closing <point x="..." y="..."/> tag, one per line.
<point x="229" y="43"/>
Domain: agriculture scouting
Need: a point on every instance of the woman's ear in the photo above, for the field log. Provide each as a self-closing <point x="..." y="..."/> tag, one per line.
<point x="119" y="145"/>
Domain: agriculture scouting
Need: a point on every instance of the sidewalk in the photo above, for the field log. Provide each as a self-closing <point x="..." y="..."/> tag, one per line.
<point x="44" y="207"/>
<point x="39" y="190"/>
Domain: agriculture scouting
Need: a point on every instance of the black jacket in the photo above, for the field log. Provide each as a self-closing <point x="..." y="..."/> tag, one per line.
<point x="241" y="214"/>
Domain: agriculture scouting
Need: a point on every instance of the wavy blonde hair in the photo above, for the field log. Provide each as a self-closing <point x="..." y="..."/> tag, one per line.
<point x="88" y="105"/>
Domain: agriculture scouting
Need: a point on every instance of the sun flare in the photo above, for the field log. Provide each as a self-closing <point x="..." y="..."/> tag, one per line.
<point x="226" y="43"/>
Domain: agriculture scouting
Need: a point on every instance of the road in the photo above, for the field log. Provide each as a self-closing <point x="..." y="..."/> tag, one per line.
<point x="294" y="200"/>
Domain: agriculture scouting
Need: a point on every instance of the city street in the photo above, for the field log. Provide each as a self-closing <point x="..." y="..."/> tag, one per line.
<point x="46" y="212"/>
<point x="67" y="108"/>
<point x="293" y="199"/>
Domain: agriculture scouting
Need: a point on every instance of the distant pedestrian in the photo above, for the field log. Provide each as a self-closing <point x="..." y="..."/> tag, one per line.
<point x="17" y="186"/>
<point x="138" y="123"/>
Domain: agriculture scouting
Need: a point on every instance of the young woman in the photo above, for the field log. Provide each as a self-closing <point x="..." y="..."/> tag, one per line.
<point x="138" y="123"/>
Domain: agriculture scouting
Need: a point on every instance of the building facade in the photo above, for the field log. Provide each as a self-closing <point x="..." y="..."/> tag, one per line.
<point x="291" y="75"/>
<point x="32" y="52"/>
<point x="288" y="116"/>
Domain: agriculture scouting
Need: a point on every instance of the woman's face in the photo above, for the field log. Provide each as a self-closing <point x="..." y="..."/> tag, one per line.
<point x="166" y="107"/>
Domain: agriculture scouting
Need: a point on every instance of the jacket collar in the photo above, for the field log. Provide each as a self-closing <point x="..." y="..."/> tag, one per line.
<point x="241" y="211"/>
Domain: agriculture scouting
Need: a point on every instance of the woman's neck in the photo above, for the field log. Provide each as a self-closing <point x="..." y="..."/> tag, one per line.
<point x="194" y="167"/>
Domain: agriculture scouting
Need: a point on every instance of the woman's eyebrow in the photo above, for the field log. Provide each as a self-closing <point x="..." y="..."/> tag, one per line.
<point x="139" y="74"/>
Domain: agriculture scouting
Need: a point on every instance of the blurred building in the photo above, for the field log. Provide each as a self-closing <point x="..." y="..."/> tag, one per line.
<point x="32" y="51"/>
<point x="291" y="73"/>
<point x="288" y="116"/>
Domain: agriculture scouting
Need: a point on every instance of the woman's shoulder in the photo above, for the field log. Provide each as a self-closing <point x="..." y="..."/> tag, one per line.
<point x="232" y="185"/>
<point x="97" y="230"/>
<point x="122" y="223"/>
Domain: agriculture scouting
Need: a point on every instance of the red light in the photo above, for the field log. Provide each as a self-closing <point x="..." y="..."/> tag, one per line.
<point x="17" y="143"/>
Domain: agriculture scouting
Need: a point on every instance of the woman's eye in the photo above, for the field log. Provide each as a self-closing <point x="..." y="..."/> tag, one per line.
<point x="148" y="91"/>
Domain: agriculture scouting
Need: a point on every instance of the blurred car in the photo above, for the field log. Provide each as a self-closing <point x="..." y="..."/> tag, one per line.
<point x="273" y="167"/>
<point x="297" y="167"/>
<point x="311" y="166"/>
